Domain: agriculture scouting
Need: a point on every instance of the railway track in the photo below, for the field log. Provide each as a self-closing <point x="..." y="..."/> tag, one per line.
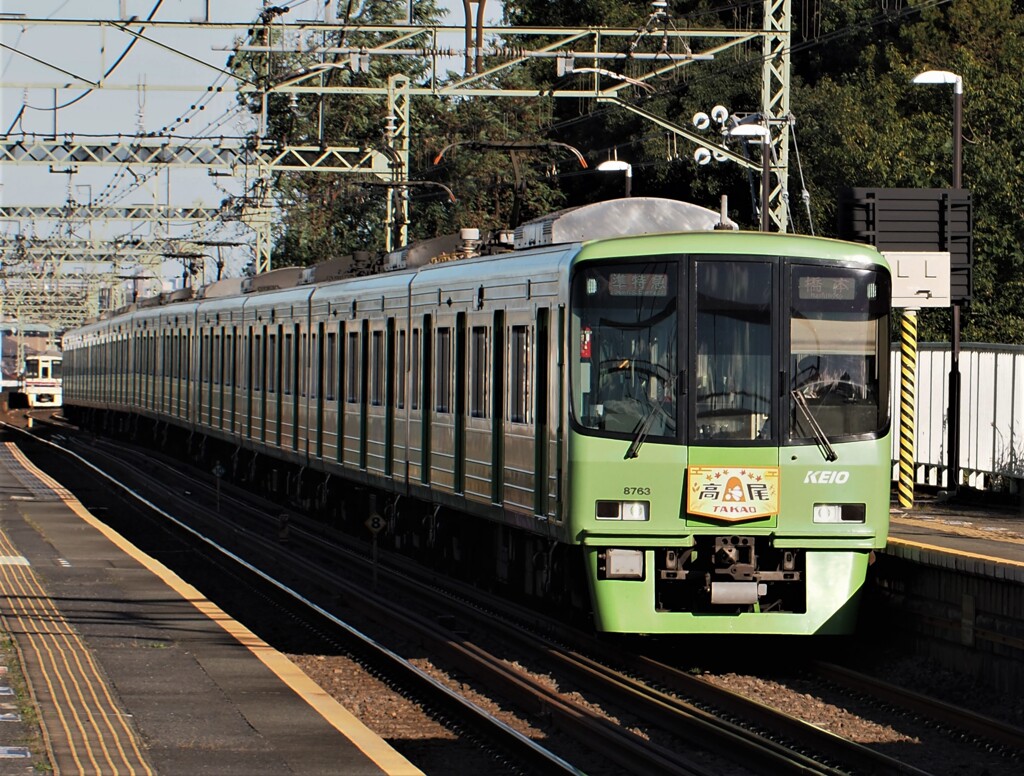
<point x="759" y="737"/>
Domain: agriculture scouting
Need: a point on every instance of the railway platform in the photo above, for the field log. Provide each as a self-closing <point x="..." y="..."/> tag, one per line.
<point x="975" y="539"/>
<point x="129" y="670"/>
<point x="950" y="582"/>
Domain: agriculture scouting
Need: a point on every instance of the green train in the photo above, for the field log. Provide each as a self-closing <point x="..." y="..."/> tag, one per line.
<point x="676" y="427"/>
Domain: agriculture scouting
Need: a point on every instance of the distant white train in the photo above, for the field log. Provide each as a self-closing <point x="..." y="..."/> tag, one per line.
<point x="41" y="382"/>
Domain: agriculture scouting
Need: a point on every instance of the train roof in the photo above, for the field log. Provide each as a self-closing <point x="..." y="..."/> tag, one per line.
<point x="616" y="218"/>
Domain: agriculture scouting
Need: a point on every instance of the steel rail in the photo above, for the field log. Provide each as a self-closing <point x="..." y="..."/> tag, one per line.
<point x="953" y="716"/>
<point x="530" y="752"/>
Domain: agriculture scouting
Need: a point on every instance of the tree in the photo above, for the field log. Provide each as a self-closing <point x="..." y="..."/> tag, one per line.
<point x="863" y="124"/>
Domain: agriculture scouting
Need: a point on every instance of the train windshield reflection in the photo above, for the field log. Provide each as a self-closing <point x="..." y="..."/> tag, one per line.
<point x="839" y="325"/>
<point x="626" y="365"/>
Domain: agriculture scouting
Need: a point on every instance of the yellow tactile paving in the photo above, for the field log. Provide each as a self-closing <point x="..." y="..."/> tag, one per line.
<point x="84" y="728"/>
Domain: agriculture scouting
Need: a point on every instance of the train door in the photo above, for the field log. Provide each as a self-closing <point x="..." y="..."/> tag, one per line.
<point x="125" y="365"/>
<point x="155" y="373"/>
<point x="353" y="385"/>
<point x="176" y="367"/>
<point x="541" y="423"/>
<point x="389" y="397"/>
<point x="339" y="386"/>
<point x="363" y="368"/>
<point x="273" y="385"/>
<point x="135" y="370"/>
<point x="165" y="371"/>
<point x="377" y="414"/>
<point x="249" y="382"/>
<point x="400" y="436"/>
<point x="418" y="443"/>
<point x="188" y="366"/>
<point x="143" y="368"/>
<point x="497" y="408"/>
<point x="204" y="383"/>
<point x="442" y="449"/>
<point x="459" y="409"/>
<point x="477" y="432"/>
<point x="289" y="395"/>
<point x="230" y="375"/>
<point x="259" y="377"/>
<point x="219" y="369"/>
<point x="300" y="414"/>
<point x="519" y="461"/>
<point x="426" y="399"/>
<point x="318" y="386"/>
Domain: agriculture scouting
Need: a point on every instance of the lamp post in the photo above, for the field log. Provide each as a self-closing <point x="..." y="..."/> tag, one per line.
<point x="946" y="77"/>
<point x="756" y="130"/>
<point x="953" y="413"/>
<point x="614" y="165"/>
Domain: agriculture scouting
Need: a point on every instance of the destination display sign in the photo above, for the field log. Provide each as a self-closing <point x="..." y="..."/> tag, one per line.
<point x="638" y="284"/>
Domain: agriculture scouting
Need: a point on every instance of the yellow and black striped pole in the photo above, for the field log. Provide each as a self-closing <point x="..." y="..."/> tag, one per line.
<point x="908" y="394"/>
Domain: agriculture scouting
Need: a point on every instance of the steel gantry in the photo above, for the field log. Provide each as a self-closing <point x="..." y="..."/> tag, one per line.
<point x="64" y="281"/>
<point x="604" y="64"/>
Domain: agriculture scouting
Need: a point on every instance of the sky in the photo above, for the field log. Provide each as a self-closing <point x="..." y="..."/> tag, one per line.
<point x="162" y="85"/>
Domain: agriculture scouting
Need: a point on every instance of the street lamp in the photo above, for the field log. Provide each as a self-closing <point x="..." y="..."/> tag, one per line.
<point x="756" y="130"/>
<point x="946" y="77"/>
<point x="953" y="440"/>
<point x="614" y="165"/>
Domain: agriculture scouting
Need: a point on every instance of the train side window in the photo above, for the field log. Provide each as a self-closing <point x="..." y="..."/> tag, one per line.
<point x="205" y="357"/>
<point x="247" y="366"/>
<point x="331" y="367"/>
<point x="229" y="360"/>
<point x="377" y="372"/>
<point x="315" y="364"/>
<point x="352" y="392"/>
<point x="287" y="361"/>
<point x="443" y="370"/>
<point x="478" y="372"/>
<point x="340" y="393"/>
<point x="301" y="355"/>
<point x="414" y="376"/>
<point x="271" y="363"/>
<point x="218" y="358"/>
<point x="175" y="356"/>
<point x="400" y="374"/>
<point x="257" y="363"/>
<point x="520" y="377"/>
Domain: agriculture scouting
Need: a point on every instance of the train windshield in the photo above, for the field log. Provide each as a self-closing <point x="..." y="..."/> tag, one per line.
<point x="733" y="356"/>
<point x="838" y="364"/>
<point x="43" y="368"/>
<point x="744" y="385"/>
<point x="626" y="331"/>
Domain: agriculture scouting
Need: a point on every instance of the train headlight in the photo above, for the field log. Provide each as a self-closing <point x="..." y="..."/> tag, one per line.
<point x="623" y="510"/>
<point x="623" y="564"/>
<point x="839" y="513"/>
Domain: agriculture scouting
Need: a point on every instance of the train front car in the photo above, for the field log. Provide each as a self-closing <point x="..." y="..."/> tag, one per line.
<point x="729" y="451"/>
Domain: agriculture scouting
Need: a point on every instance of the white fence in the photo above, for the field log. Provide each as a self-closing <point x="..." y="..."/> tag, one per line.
<point x="991" y="415"/>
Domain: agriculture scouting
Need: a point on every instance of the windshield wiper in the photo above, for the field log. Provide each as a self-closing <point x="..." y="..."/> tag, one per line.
<point x="643" y="428"/>
<point x="819" y="435"/>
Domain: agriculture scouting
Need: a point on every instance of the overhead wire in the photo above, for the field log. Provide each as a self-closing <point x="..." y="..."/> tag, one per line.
<point x="107" y="73"/>
<point x="818" y="40"/>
